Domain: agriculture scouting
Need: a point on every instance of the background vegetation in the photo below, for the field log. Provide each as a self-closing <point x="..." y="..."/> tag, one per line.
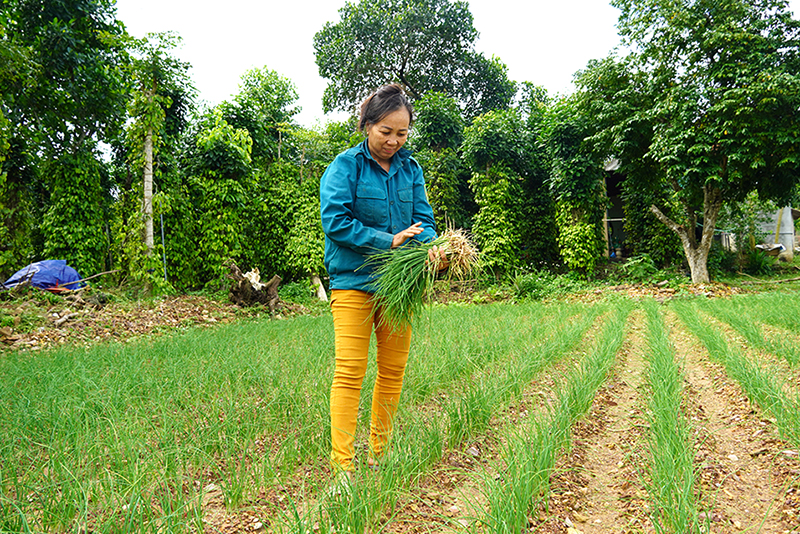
<point x="107" y="161"/>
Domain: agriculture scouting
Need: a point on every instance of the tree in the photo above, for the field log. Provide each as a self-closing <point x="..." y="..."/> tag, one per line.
<point x="439" y="123"/>
<point x="438" y="132"/>
<point x="78" y="95"/>
<point x="494" y="148"/>
<point x="576" y="187"/>
<point x="156" y="74"/>
<point x="484" y="85"/>
<point x="16" y="68"/>
<point x="221" y="184"/>
<point x="265" y="107"/>
<point x="706" y="101"/>
<point x="425" y="45"/>
<point x="73" y="97"/>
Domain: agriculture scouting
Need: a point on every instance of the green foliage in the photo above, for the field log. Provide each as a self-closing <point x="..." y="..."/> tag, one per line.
<point x="219" y="189"/>
<point x="576" y="171"/>
<point x="425" y="45"/>
<point x="313" y="149"/>
<point x="222" y="151"/>
<point x="300" y="292"/>
<point x="15" y="214"/>
<point x="743" y="221"/>
<point x="438" y="124"/>
<point x="722" y="262"/>
<point x="640" y="268"/>
<point x="284" y="228"/>
<point x="445" y="182"/>
<point x="497" y="137"/>
<point x="62" y="88"/>
<point x="74" y="225"/>
<point x="180" y="208"/>
<point x="502" y="139"/>
<point x="758" y="262"/>
<point x="77" y="91"/>
<point x="576" y="185"/>
<point x="218" y="228"/>
<point x="539" y="284"/>
<point x="264" y="106"/>
<point x="485" y="86"/>
<point x="532" y="104"/>
<point x="157" y="76"/>
<point x="305" y="242"/>
<point x="706" y="100"/>
<point x="579" y="241"/>
<point x="644" y="233"/>
<point x="495" y="227"/>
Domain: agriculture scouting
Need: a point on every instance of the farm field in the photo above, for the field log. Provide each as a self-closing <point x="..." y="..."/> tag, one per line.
<point x="619" y="416"/>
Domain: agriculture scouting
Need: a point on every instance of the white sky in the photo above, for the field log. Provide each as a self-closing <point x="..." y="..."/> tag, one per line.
<point x="541" y="41"/>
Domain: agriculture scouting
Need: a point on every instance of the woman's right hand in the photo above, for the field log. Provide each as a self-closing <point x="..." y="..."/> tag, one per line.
<point x="403" y="236"/>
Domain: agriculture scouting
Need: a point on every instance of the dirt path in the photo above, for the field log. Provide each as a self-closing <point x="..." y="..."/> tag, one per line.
<point x="742" y="471"/>
<point x="598" y="489"/>
<point x="452" y="496"/>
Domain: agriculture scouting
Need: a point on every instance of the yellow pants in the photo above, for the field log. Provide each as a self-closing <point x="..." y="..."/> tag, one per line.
<point x="354" y="317"/>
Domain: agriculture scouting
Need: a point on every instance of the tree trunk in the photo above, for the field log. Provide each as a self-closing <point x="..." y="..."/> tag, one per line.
<point x="697" y="252"/>
<point x="316" y="282"/>
<point x="147" y="201"/>
<point x="245" y="292"/>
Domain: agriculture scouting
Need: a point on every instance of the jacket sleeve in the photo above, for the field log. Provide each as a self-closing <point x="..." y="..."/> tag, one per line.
<point x="337" y="193"/>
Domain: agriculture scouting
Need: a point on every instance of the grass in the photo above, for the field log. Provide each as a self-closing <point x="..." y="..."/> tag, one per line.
<point x="762" y="386"/>
<point x="124" y="437"/>
<point x="672" y="474"/>
<point x="744" y="315"/>
<point x="532" y="449"/>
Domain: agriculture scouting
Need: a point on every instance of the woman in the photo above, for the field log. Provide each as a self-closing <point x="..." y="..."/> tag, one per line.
<point x="372" y="198"/>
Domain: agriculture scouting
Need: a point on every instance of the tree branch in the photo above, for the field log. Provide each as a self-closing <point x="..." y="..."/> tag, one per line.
<point x="672" y="225"/>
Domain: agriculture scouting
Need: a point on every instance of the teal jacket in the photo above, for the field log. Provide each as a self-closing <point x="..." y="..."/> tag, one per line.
<point x="363" y="206"/>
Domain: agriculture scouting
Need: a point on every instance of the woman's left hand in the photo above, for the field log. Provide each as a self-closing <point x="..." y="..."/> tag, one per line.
<point x="437" y="257"/>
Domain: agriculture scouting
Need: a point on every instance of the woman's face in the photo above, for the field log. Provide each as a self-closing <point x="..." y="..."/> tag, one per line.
<point x="386" y="136"/>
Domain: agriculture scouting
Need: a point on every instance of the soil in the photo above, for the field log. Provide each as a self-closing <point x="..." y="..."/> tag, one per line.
<point x="748" y="476"/>
<point x="35" y="319"/>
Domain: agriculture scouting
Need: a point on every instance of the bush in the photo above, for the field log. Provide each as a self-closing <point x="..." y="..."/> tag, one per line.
<point x="640" y="268"/>
<point x="721" y="261"/>
<point x="538" y="285"/>
<point x="757" y="262"/>
<point x="300" y="292"/>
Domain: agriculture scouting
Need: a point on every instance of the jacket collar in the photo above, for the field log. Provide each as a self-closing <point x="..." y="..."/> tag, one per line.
<point x="398" y="160"/>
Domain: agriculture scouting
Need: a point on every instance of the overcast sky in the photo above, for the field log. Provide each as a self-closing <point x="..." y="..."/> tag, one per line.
<point x="541" y="41"/>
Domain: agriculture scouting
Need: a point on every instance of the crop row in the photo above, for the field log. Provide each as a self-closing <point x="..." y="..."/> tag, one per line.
<point x="126" y="437"/>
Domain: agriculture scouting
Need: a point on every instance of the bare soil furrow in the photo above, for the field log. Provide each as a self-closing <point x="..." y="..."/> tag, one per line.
<point x="452" y="497"/>
<point x="597" y="488"/>
<point x="742" y="475"/>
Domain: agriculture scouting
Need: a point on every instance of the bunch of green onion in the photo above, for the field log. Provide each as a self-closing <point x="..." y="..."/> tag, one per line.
<point x="405" y="276"/>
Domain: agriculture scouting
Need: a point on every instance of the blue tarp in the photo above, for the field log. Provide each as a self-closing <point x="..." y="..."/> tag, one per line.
<point x="46" y="274"/>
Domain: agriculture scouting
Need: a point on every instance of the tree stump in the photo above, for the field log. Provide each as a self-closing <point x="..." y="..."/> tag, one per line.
<point x="247" y="289"/>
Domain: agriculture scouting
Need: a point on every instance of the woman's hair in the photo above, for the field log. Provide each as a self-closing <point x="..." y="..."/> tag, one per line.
<point x="385" y="100"/>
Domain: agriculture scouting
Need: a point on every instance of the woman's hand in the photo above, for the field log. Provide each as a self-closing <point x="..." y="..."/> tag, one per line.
<point x="437" y="257"/>
<point x="405" y="235"/>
